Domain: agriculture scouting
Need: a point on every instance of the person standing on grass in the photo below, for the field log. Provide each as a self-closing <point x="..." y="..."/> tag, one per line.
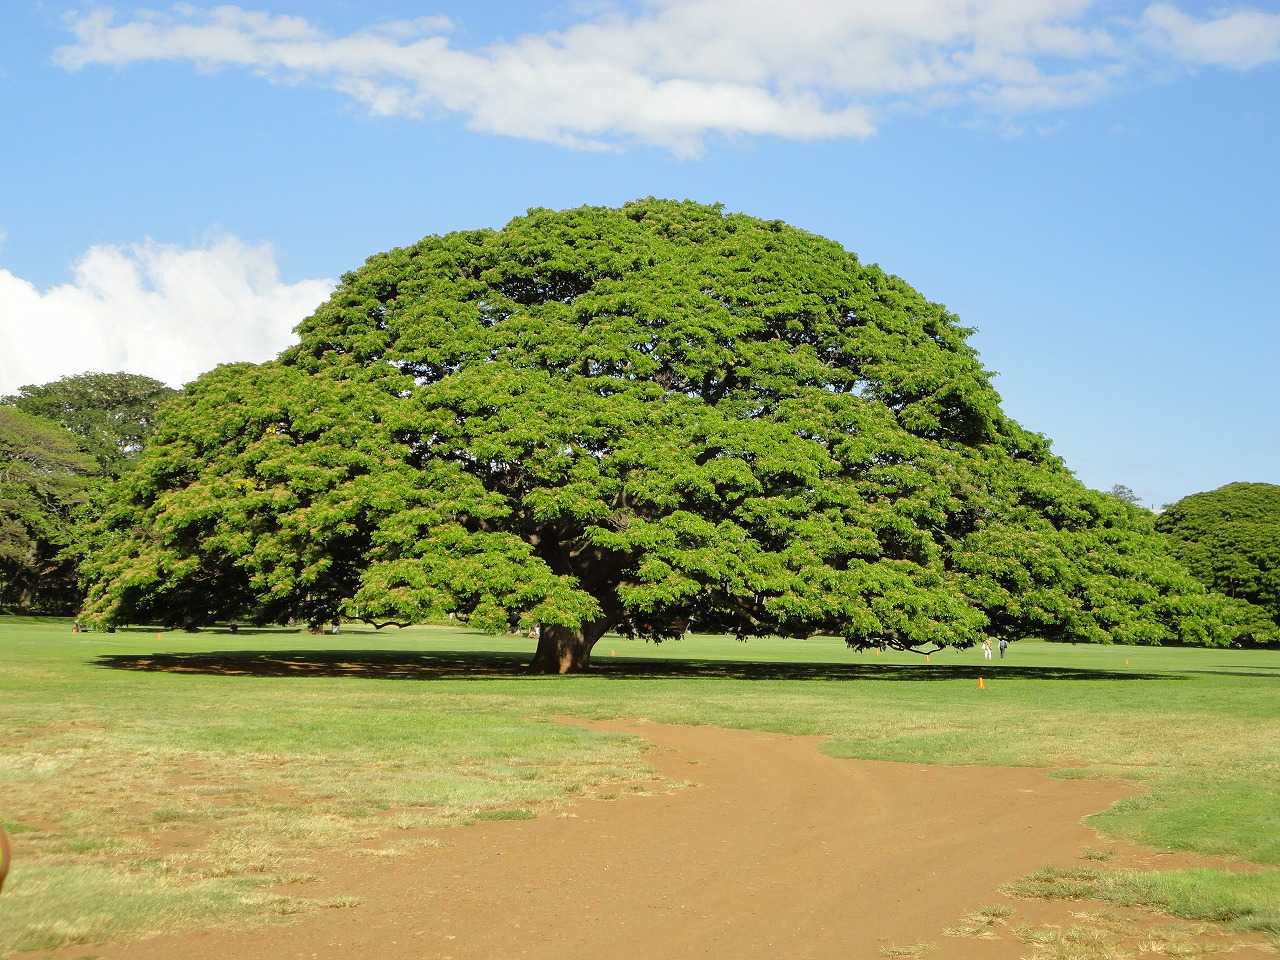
<point x="986" y="649"/>
<point x="1004" y="645"/>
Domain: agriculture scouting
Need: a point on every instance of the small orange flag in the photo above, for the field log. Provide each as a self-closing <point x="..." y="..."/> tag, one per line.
<point x="981" y="684"/>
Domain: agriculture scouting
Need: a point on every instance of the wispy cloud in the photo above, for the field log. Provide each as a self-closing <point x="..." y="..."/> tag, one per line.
<point x="1241" y="39"/>
<point x="685" y="69"/>
<point x="169" y="312"/>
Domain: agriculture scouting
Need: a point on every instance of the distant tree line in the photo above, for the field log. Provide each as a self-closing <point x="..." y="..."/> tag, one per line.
<point x="61" y="444"/>
<point x="1229" y="539"/>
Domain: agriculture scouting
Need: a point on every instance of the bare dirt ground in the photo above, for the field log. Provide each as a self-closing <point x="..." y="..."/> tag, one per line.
<point x="773" y="850"/>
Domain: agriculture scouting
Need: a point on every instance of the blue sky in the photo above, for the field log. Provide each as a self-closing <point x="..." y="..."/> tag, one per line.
<point x="1092" y="186"/>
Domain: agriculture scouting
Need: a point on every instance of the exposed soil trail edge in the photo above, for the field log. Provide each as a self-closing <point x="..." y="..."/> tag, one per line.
<point x="775" y="850"/>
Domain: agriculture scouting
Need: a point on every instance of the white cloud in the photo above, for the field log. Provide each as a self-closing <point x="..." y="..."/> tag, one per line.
<point x="165" y="311"/>
<point x="681" y="70"/>
<point x="671" y="75"/>
<point x="1242" y="39"/>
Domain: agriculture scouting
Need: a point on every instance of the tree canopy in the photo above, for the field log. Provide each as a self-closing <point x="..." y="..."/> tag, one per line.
<point x="642" y="419"/>
<point x="1230" y="539"/>
<point x="111" y="413"/>
<point x="44" y="477"/>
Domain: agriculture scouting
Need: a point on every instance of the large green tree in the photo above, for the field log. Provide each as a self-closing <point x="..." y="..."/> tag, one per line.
<point x="44" y="477"/>
<point x="1230" y="539"/>
<point x="641" y="419"/>
<point x="111" y="413"/>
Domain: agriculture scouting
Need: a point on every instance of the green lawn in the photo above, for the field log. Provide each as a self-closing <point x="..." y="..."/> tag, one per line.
<point x="199" y="770"/>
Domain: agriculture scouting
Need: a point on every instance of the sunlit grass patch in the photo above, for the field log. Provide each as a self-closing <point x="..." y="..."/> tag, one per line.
<point x="515" y="813"/>
<point x="1245" y="901"/>
<point x="911" y="951"/>
<point x="1103" y="935"/>
<point x="339" y="903"/>
<point x="46" y="907"/>
<point x="981" y="924"/>
<point x="1206" y="813"/>
<point x="1099" y="773"/>
<point x="1077" y="942"/>
<point x="1177" y="942"/>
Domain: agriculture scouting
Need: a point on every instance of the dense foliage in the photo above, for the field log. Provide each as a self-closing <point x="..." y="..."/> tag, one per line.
<point x="111" y="413"/>
<point x="1230" y="539"/>
<point x="44" y="477"/>
<point x="642" y="419"/>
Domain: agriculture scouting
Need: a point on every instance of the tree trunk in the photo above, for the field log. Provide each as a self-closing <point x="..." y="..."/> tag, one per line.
<point x="565" y="650"/>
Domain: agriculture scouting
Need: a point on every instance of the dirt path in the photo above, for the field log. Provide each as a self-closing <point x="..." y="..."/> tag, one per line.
<point x="776" y="850"/>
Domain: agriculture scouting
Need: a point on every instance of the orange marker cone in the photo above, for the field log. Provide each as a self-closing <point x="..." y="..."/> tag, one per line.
<point x="981" y="684"/>
<point x="613" y="653"/>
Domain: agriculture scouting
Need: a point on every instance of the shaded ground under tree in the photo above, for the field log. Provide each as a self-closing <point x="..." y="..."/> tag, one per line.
<point x="484" y="664"/>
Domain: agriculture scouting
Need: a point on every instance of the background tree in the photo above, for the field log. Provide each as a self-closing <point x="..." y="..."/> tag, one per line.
<point x="643" y="420"/>
<point x="1125" y="494"/>
<point x="111" y="413"/>
<point x="43" y="478"/>
<point x="1230" y="539"/>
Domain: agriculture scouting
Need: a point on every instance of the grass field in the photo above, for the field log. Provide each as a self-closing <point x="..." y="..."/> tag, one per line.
<point x="198" y="771"/>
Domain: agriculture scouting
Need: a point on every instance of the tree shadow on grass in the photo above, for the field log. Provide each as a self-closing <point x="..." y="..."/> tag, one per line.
<point x="221" y="630"/>
<point x="489" y="665"/>
<point x="1268" y="673"/>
